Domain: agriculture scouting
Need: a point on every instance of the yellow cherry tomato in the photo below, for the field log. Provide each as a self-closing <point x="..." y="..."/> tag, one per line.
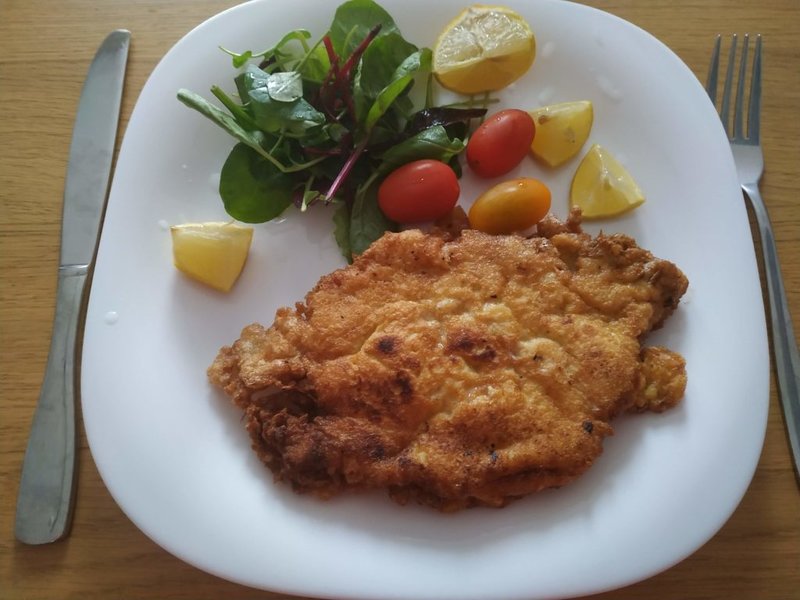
<point x="510" y="206"/>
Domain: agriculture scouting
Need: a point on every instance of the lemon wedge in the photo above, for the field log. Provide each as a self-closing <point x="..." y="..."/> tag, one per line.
<point x="561" y="130"/>
<point x="484" y="48"/>
<point x="211" y="253"/>
<point x="602" y="187"/>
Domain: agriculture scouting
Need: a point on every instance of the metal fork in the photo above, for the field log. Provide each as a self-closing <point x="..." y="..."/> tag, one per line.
<point x="749" y="159"/>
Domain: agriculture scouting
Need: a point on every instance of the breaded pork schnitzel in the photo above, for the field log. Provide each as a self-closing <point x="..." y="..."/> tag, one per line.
<point x="458" y="370"/>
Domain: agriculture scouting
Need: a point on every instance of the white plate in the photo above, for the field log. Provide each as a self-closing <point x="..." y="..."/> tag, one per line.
<point x="173" y="451"/>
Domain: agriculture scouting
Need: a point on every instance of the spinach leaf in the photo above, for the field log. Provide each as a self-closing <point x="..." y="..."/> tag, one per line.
<point x="273" y="115"/>
<point x="380" y="61"/>
<point x="354" y="20"/>
<point x="341" y="230"/>
<point x="239" y="60"/>
<point x="401" y="79"/>
<point x="315" y="65"/>
<point x="367" y="221"/>
<point x="239" y="112"/>
<point x="285" y="86"/>
<point x="442" y="115"/>
<point x="253" y="138"/>
<point x="252" y="189"/>
<point x="429" y="143"/>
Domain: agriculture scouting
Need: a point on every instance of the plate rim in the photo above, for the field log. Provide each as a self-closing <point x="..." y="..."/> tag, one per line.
<point x="172" y="548"/>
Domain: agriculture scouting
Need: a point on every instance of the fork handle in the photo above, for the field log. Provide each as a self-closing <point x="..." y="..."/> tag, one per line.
<point x="787" y="358"/>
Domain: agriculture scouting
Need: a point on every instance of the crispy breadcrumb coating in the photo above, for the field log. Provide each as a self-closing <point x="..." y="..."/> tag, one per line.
<point x="458" y="370"/>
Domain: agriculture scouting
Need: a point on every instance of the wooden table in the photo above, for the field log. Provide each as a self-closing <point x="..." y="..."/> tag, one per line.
<point x="45" y="49"/>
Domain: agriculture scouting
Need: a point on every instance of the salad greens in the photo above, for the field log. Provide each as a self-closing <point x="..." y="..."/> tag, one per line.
<point x="327" y="121"/>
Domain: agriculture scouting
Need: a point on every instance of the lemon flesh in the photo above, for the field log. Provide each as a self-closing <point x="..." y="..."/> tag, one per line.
<point x="211" y="253"/>
<point x="485" y="48"/>
<point x="561" y="131"/>
<point x="602" y="187"/>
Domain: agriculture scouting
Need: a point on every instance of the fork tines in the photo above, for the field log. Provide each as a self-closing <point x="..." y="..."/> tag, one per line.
<point x="754" y="107"/>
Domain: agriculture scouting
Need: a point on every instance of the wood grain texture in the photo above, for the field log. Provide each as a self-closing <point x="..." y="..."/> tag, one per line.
<point x="45" y="49"/>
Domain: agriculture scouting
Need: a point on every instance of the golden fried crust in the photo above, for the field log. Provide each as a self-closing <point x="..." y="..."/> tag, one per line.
<point x="458" y="372"/>
<point x="661" y="382"/>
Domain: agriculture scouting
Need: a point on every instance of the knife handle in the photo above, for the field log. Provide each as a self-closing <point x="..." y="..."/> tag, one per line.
<point x="47" y="486"/>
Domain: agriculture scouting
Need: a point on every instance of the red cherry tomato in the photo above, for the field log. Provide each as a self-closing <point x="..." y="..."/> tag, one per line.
<point x="423" y="190"/>
<point x="500" y="143"/>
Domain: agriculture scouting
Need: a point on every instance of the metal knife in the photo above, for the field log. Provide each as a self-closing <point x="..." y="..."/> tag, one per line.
<point x="47" y="486"/>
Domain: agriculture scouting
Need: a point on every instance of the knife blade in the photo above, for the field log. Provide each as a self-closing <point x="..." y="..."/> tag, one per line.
<point x="47" y="484"/>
